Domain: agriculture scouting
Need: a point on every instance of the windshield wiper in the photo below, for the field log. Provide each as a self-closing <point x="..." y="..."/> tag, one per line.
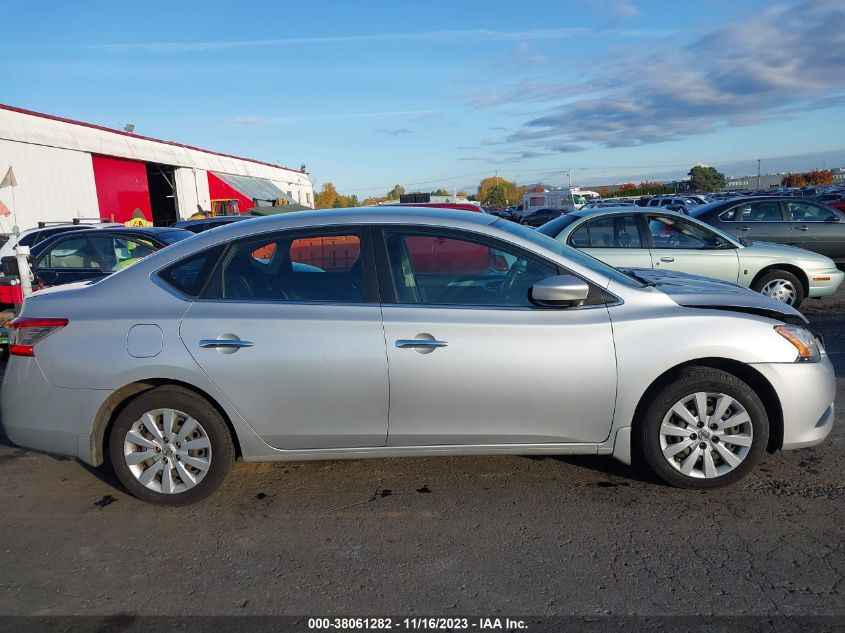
<point x="640" y="278"/>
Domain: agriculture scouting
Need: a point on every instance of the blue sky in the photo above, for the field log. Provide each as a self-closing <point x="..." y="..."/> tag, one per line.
<point x="369" y="94"/>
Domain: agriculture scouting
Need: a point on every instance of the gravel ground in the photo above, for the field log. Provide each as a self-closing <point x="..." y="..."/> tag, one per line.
<point x="483" y="535"/>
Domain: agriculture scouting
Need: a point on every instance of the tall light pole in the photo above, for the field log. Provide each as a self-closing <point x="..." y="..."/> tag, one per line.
<point x="758" y="173"/>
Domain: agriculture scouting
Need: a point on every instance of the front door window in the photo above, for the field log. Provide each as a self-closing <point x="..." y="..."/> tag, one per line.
<point x="444" y="270"/>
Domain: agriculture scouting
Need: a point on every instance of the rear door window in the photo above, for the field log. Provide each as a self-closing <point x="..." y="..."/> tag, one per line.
<point x="116" y="252"/>
<point x="286" y="268"/>
<point x="760" y="211"/>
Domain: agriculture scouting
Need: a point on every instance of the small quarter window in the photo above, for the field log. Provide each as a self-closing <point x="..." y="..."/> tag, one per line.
<point x="189" y="275"/>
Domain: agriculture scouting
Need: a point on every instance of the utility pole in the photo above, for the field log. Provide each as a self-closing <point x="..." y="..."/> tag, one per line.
<point x="758" y="173"/>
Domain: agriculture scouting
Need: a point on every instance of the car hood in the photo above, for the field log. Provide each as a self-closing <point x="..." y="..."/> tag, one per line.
<point x="693" y="291"/>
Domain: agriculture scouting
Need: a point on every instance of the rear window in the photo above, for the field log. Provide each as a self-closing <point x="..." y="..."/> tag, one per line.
<point x="189" y="275"/>
<point x="553" y="228"/>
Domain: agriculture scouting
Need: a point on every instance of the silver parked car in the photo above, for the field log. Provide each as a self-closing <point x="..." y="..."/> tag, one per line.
<point x="664" y="240"/>
<point x="380" y="332"/>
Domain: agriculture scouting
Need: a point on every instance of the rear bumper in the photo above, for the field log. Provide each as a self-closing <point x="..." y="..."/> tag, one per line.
<point x="824" y="283"/>
<point x="45" y="418"/>
<point x="806" y="392"/>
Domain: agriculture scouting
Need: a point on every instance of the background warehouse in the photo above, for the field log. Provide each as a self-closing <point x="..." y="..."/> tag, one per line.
<point x="66" y="169"/>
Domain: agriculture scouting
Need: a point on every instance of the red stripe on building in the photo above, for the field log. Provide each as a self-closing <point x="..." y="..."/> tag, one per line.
<point x="220" y="190"/>
<point x="121" y="188"/>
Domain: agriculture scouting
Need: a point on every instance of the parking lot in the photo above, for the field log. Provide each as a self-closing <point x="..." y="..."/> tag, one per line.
<point x="509" y="535"/>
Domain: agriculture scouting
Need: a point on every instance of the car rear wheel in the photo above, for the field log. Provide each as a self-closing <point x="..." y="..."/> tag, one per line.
<point x="781" y="285"/>
<point x="169" y="446"/>
<point x="705" y="429"/>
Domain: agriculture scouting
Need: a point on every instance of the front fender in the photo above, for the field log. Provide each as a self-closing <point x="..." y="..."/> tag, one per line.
<point x="649" y="343"/>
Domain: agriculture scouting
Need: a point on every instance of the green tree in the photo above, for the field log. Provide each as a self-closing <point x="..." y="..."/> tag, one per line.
<point x="511" y="191"/>
<point x="496" y="195"/>
<point x="706" y="178"/>
<point x="394" y="193"/>
<point x="326" y="197"/>
<point x="440" y="192"/>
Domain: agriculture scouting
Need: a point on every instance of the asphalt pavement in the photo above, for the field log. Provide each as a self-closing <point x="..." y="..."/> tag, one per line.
<point x="441" y="536"/>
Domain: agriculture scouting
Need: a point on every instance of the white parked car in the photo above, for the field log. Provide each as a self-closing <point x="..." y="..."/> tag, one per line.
<point x="667" y="241"/>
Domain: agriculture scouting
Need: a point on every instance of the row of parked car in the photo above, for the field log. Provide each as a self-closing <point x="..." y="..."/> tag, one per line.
<point x="66" y="252"/>
<point x="785" y="247"/>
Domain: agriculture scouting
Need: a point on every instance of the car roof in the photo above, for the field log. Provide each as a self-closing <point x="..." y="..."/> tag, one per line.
<point x="584" y="212"/>
<point x="399" y="214"/>
<point x="130" y="230"/>
<point x="393" y="214"/>
<point x="214" y="218"/>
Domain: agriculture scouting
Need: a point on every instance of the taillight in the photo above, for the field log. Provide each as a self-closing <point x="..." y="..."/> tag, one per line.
<point x="26" y="332"/>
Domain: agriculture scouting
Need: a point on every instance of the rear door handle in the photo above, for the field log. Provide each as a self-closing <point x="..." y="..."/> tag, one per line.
<point x="225" y="343"/>
<point x="404" y="343"/>
<point x="801" y="228"/>
<point x="667" y="259"/>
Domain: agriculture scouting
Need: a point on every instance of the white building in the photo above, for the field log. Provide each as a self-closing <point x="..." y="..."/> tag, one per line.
<point x="66" y="169"/>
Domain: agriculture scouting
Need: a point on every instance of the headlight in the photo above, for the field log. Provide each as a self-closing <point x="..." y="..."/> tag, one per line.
<point x="804" y="342"/>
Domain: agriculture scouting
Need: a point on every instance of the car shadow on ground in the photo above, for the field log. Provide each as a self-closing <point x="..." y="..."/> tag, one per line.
<point x="606" y="465"/>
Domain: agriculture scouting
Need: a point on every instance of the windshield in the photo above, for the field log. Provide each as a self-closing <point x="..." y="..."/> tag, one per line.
<point x="549" y="243"/>
<point x="578" y="199"/>
<point x="701" y="209"/>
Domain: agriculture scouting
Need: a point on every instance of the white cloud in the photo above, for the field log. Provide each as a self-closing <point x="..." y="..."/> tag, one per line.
<point x="780" y="62"/>
<point x="442" y="36"/>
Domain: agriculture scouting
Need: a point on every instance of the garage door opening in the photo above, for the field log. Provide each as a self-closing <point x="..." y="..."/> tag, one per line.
<point x="162" y="194"/>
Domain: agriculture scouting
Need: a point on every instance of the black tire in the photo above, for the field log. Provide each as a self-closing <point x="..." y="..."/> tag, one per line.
<point x="222" y="450"/>
<point x="691" y="380"/>
<point x="777" y="274"/>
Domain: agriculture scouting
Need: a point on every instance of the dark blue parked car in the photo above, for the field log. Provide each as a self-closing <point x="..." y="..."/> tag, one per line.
<point x="94" y="253"/>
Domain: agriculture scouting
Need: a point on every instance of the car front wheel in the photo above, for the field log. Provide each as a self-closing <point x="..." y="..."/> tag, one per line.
<point x="705" y="429"/>
<point x="781" y="285"/>
<point x="169" y="446"/>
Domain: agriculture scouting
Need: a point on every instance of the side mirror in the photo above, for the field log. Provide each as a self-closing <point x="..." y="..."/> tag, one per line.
<point x="832" y="218"/>
<point x="561" y="291"/>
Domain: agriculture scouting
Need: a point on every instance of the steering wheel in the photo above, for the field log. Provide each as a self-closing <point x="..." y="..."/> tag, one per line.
<point x="509" y="283"/>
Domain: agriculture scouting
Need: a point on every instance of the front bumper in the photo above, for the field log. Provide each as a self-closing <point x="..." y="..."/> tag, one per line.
<point x="824" y="283"/>
<point x="40" y="416"/>
<point x="806" y="392"/>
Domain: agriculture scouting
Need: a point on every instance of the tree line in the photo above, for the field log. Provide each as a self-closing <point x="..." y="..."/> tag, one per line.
<point x="803" y="179"/>
<point x="498" y="192"/>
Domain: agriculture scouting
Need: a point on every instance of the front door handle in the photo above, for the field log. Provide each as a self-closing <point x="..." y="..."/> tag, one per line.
<point x="423" y="343"/>
<point x="667" y="259"/>
<point x="224" y="343"/>
<point x="803" y="227"/>
<point x="743" y="228"/>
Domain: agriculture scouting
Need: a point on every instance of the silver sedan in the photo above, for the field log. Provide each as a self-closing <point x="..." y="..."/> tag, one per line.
<point x="385" y="332"/>
<point x="663" y="240"/>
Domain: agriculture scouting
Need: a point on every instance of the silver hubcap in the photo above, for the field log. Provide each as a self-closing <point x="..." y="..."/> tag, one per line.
<point x="706" y="435"/>
<point x="780" y="289"/>
<point x="167" y="451"/>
